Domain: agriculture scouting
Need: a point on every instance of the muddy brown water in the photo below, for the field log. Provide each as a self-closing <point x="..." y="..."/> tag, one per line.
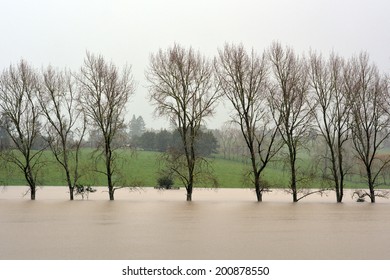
<point x="222" y="224"/>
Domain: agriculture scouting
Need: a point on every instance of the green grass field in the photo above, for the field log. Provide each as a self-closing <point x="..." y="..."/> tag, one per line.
<point x="142" y="168"/>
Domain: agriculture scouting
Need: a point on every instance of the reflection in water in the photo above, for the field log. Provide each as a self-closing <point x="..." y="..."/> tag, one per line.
<point x="223" y="224"/>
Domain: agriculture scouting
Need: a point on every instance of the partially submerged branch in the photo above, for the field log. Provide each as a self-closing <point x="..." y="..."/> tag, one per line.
<point x="361" y="194"/>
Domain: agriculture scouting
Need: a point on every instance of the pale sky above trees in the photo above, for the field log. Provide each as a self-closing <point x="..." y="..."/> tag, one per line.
<point x="127" y="31"/>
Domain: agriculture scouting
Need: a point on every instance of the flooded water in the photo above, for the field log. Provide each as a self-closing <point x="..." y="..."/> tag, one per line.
<point x="222" y="224"/>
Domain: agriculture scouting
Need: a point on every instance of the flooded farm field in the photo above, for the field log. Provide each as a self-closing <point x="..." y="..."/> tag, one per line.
<point x="218" y="224"/>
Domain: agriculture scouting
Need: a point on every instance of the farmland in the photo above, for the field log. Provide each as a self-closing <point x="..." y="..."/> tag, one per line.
<point x="142" y="168"/>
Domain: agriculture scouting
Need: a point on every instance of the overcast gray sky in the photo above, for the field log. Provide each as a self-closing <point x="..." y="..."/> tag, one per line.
<point x="126" y="31"/>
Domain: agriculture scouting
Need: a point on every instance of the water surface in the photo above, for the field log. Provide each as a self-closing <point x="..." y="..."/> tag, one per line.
<point x="223" y="224"/>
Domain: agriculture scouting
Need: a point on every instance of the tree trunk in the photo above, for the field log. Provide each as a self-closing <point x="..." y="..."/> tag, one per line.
<point x="109" y="182"/>
<point x="32" y="191"/>
<point x="69" y="184"/>
<point x="370" y="183"/>
<point x="30" y="179"/>
<point x="341" y="184"/>
<point x="71" y="191"/>
<point x="189" y="192"/>
<point x="111" y="193"/>
<point x="339" y="196"/>
<point x="108" y="169"/>
<point x="256" y="174"/>
<point x="372" y="193"/>
<point x="294" y="185"/>
<point x="341" y="170"/>
<point x="336" y="179"/>
<point x="340" y="189"/>
<point x="295" y="195"/>
<point x="259" y="194"/>
<point x="293" y="179"/>
<point x="372" y="196"/>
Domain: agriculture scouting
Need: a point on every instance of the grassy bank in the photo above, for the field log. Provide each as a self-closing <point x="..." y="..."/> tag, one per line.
<point x="135" y="168"/>
<point x="142" y="168"/>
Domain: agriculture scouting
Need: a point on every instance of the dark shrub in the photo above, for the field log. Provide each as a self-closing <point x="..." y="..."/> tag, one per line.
<point x="165" y="182"/>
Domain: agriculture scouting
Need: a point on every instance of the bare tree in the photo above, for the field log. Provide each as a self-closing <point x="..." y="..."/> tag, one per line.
<point x="370" y="122"/>
<point x="66" y="123"/>
<point x="332" y="114"/>
<point x="289" y="104"/>
<point x="243" y="79"/>
<point x="104" y="94"/>
<point x="182" y="88"/>
<point x="20" y="108"/>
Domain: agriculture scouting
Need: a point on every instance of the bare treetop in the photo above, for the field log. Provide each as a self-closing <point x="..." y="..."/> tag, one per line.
<point x="58" y="100"/>
<point x="19" y="85"/>
<point x="290" y="93"/>
<point x="106" y="90"/>
<point x="244" y="78"/>
<point x="181" y="85"/>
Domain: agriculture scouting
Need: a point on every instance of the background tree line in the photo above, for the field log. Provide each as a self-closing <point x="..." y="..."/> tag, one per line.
<point x="164" y="140"/>
<point x="280" y="103"/>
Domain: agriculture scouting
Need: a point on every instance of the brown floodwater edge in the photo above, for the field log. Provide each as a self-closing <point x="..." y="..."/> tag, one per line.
<point x="199" y="194"/>
<point x="218" y="224"/>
